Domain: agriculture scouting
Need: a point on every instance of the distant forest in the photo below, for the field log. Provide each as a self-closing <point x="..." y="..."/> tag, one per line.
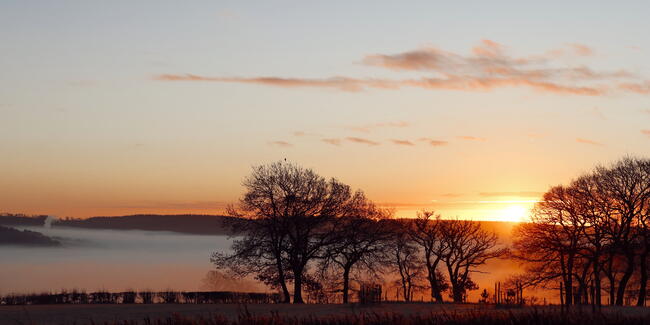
<point x="10" y="236"/>
<point x="185" y="223"/>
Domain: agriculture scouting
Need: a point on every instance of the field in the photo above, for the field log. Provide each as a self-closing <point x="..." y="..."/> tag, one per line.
<point x="387" y="313"/>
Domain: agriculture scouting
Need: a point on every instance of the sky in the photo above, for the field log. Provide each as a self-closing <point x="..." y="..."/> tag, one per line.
<point x="471" y="108"/>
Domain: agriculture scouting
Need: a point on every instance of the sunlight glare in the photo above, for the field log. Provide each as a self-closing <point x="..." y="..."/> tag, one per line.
<point x="514" y="213"/>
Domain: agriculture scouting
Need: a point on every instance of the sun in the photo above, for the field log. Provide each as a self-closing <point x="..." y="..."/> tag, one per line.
<point x="514" y="213"/>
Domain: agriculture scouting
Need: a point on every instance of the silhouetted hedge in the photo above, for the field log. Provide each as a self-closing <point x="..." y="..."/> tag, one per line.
<point x="142" y="297"/>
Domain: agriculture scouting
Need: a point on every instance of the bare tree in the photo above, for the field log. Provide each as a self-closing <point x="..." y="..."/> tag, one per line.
<point x="426" y="231"/>
<point x="551" y="243"/>
<point x="359" y="241"/>
<point x="292" y="212"/>
<point x="627" y="184"/>
<point x="595" y="227"/>
<point x="405" y="260"/>
<point x="259" y="253"/>
<point x="469" y="246"/>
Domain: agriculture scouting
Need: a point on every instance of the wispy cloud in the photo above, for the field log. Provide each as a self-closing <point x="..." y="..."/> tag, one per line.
<point x="470" y="138"/>
<point x="341" y="83"/>
<point x="332" y="141"/>
<point x="581" y="49"/>
<point x="280" y="143"/>
<point x="587" y="141"/>
<point x="362" y="141"/>
<point x="646" y="132"/>
<point x="305" y="134"/>
<point x="434" y="142"/>
<point x="488" y="67"/>
<point x="518" y="193"/>
<point x="402" y="142"/>
<point x="639" y="87"/>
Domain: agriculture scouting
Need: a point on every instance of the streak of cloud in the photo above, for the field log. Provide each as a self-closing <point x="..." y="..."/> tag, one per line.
<point x="402" y="142"/>
<point x="362" y="141"/>
<point x="639" y="87"/>
<point x="520" y="194"/>
<point x="587" y="141"/>
<point x="470" y="138"/>
<point x="581" y="49"/>
<point x="280" y="143"/>
<point x="433" y="142"/>
<point x="332" y="141"/>
<point x="488" y="67"/>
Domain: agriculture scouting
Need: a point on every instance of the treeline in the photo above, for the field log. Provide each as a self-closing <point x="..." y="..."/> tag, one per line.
<point x="11" y="219"/>
<point x="140" y="297"/>
<point x="592" y="236"/>
<point x="10" y="236"/>
<point x="320" y="237"/>
<point x="186" y="223"/>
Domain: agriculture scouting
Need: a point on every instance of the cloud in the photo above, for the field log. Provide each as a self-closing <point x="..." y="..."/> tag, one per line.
<point x="402" y="142"/>
<point x="581" y="49"/>
<point x="280" y="143"/>
<point x="340" y="83"/>
<point x="486" y="68"/>
<point x="332" y="141"/>
<point x="370" y="127"/>
<point x="520" y="194"/>
<point x="362" y="141"/>
<point x="646" y="132"/>
<point x="639" y="88"/>
<point x="587" y="141"/>
<point x="305" y="134"/>
<point x="433" y="142"/>
<point x="470" y="138"/>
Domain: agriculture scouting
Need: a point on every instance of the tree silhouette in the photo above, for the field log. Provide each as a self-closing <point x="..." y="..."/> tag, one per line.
<point x="292" y="214"/>
<point x="469" y="246"/>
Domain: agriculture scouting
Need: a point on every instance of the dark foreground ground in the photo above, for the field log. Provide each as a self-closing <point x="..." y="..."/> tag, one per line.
<point x="387" y="313"/>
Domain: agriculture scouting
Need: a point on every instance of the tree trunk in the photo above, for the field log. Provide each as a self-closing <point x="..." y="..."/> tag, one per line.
<point x="435" y="288"/>
<point x="346" y="284"/>
<point x="629" y="270"/>
<point x="283" y="282"/>
<point x="612" y="286"/>
<point x="405" y="291"/>
<point x="643" y="281"/>
<point x="435" y="291"/>
<point x="297" y="288"/>
<point x="596" y="268"/>
<point x="568" y="291"/>
<point x="458" y="294"/>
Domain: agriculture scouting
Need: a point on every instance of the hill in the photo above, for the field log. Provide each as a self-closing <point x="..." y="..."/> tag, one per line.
<point x="185" y="223"/>
<point x="11" y="236"/>
<point x="8" y="219"/>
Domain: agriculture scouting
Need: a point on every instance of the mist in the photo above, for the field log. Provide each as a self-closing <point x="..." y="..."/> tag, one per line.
<point x="114" y="260"/>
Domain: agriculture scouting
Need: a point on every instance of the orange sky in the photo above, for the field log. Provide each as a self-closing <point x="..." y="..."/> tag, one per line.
<point x="121" y="109"/>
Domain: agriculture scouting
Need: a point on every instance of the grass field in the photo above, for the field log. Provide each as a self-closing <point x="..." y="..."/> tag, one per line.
<point x="387" y="313"/>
